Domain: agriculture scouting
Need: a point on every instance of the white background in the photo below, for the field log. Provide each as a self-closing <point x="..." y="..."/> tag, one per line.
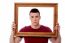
<point x="46" y="13"/>
<point x="7" y="15"/>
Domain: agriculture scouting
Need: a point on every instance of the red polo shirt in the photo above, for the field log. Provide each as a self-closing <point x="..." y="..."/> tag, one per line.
<point x="36" y="39"/>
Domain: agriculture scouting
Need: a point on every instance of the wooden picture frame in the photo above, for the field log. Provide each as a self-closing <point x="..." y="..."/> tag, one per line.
<point x="36" y="34"/>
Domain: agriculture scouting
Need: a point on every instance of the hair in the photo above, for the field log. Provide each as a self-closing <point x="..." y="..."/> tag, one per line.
<point x="34" y="10"/>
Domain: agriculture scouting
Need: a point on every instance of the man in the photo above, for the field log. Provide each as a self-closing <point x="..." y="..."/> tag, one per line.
<point x="35" y="27"/>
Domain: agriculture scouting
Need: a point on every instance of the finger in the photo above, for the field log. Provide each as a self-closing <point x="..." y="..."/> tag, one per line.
<point x="57" y="27"/>
<point x="13" y="26"/>
<point x="57" y="23"/>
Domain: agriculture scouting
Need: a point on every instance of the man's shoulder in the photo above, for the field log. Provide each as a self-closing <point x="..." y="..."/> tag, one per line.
<point x="25" y="28"/>
<point x="43" y="26"/>
<point x="46" y="28"/>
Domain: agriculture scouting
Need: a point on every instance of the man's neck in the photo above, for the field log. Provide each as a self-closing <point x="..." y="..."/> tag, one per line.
<point x="35" y="26"/>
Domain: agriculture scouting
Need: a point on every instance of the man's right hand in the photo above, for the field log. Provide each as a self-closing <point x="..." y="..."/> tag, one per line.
<point x="13" y="29"/>
<point x="13" y="38"/>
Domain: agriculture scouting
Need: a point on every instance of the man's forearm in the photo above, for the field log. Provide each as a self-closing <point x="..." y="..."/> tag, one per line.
<point x="12" y="39"/>
<point x="56" y="40"/>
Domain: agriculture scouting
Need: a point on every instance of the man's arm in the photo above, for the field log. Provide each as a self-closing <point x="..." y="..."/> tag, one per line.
<point x="17" y="39"/>
<point x="13" y="38"/>
<point x="58" y="38"/>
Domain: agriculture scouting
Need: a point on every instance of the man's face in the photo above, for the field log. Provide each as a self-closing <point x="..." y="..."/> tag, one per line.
<point x="35" y="18"/>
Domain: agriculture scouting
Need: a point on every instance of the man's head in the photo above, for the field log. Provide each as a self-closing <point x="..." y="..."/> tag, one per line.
<point x="34" y="16"/>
